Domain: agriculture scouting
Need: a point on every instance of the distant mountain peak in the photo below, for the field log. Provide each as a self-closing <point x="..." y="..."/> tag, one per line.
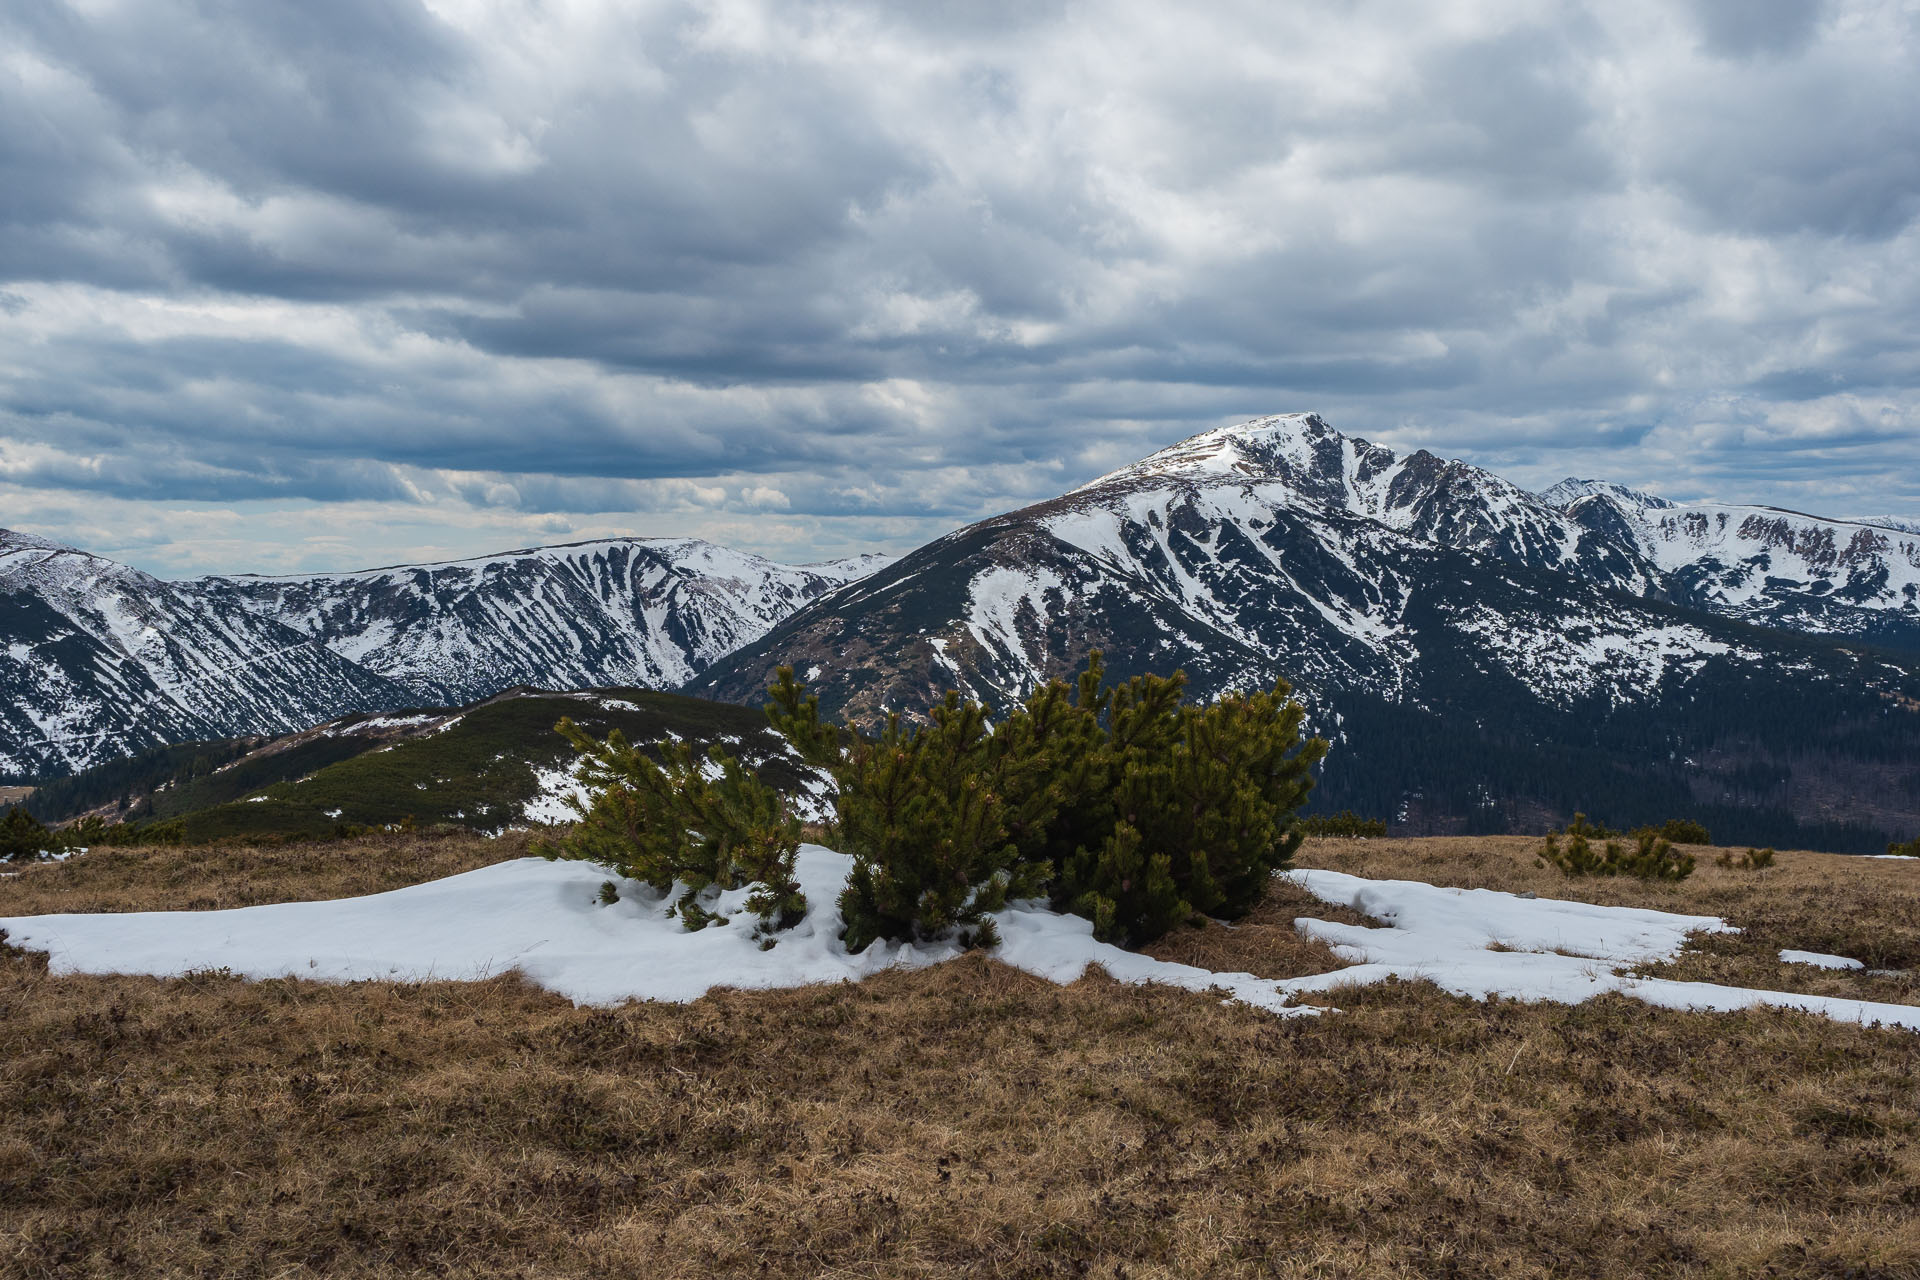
<point x="1571" y="490"/>
<point x="16" y="540"/>
<point x="1285" y="445"/>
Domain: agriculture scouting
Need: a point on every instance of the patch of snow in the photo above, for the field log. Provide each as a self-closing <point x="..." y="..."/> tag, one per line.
<point x="1820" y="960"/>
<point x="558" y="789"/>
<point x="543" y="919"/>
<point x="383" y="722"/>
<point x="1566" y="952"/>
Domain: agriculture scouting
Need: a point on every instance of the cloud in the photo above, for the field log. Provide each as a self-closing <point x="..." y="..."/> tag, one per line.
<point x="813" y="273"/>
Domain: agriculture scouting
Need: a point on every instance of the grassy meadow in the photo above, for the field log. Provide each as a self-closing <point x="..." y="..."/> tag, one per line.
<point x="964" y="1120"/>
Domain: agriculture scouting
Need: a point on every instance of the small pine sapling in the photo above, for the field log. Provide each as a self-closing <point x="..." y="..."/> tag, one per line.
<point x="1911" y="849"/>
<point x="702" y="823"/>
<point x="924" y="825"/>
<point x="1578" y="856"/>
<point x="24" y="836"/>
<point x="1751" y="860"/>
<point x="1685" y="831"/>
<point x="1653" y="857"/>
<point x="1593" y="850"/>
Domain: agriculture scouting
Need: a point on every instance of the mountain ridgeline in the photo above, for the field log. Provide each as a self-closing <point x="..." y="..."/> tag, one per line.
<point x="100" y="661"/>
<point x="1483" y="658"/>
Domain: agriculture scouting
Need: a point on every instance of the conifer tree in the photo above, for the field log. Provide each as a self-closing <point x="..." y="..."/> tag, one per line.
<point x="23" y="836"/>
<point x="700" y="823"/>
<point x="1135" y="809"/>
<point x="920" y="816"/>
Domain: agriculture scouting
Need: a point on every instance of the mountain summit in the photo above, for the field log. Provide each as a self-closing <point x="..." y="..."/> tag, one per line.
<point x="1483" y="656"/>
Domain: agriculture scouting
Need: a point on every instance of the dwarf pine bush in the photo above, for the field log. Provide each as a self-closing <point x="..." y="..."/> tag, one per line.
<point x="1684" y="831"/>
<point x="23" y="836"/>
<point x="1123" y="804"/>
<point x="700" y="822"/>
<point x="1751" y="860"/>
<point x="1346" y="823"/>
<point x="1585" y="849"/>
<point x="1911" y="849"/>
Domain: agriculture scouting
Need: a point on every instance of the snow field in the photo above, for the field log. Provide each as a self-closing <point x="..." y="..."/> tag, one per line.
<point x="1565" y="952"/>
<point x="543" y="919"/>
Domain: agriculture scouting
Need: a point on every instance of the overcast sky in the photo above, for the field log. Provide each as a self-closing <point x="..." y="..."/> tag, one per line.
<point x="321" y="285"/>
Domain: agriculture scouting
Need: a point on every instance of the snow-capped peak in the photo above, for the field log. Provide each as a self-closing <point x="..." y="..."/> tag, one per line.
<point x="1571" y="490"/>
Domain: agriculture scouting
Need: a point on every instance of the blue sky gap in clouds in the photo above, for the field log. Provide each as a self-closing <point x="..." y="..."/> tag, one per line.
<point x="291" y="286"/>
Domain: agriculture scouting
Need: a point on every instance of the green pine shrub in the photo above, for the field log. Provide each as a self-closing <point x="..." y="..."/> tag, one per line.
<point x="922" y="813"/>
<point x="1345" y="824"/>
<point x="1751" y="860"/>
<point x="1123" y="804"/>
<point x="1911" y="849"/>
<point x="1586" y="849"/>
<point x="674" y="818"/>
<point x="23" y="836"/>
<point x="1684" y="831"/>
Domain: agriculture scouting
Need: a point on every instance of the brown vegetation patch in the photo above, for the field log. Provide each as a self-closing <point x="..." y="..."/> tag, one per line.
<point x="1264" y="942"/>
<point x="211" y="877"/>
<point x="967" y="1120"/>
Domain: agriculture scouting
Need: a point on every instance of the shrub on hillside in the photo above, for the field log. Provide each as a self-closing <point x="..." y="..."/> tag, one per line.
<point x="1345" y="824"/>
<point x="1911" y="849"/>
<point x="23" y="836"/>
<point x="1584" y="849"/>
<point x="703" y="823"/>
<point x="1751" y="860"/>
<point x="1123" y="803"/>
<point x="1684" y="831"/>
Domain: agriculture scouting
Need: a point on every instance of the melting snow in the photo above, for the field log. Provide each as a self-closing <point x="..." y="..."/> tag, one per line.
<point x="542" y="919"/>
<point x="1820" y="959"/>
<point x="1561" y="951"/>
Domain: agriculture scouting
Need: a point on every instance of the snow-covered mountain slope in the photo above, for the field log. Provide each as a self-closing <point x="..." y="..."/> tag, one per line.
<point x="1410" y="599"/>
<point x="636" y="611"/>
<point x="97" y="659"/>
<point x="1766" y="565"/>
<point x="1300" y="463"/>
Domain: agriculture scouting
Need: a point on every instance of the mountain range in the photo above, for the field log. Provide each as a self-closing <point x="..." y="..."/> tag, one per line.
<point x="101" y="660"/>
<point x="1483" y="657"/>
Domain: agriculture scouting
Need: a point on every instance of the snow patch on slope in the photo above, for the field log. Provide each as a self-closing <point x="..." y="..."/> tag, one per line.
<point x="1565" y="952"/>
<point x="543" y="919"/>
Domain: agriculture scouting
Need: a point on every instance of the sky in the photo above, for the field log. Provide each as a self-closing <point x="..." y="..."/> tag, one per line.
<point x="296" y="286"/>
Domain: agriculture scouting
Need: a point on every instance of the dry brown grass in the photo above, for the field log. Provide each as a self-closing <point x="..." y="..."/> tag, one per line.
<point x="966" y="1120"/>
<point x="211" y="877"/>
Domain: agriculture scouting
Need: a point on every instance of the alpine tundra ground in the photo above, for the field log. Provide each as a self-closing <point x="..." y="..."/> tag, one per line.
<point x="967" y="1119"/>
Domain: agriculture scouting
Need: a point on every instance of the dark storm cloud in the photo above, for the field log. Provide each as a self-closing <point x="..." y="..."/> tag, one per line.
<point x="1743" y="28"/>
<point x="927" y="261"/>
